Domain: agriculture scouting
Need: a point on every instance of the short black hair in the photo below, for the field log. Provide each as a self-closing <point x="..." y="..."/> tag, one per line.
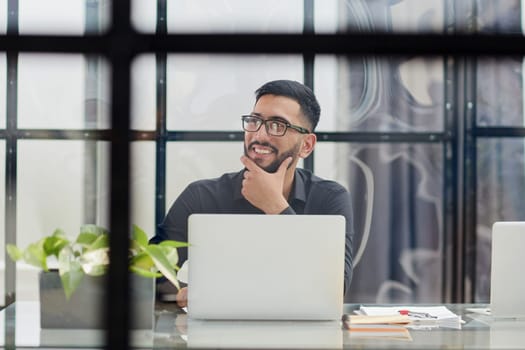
<point x="297" y="91"/>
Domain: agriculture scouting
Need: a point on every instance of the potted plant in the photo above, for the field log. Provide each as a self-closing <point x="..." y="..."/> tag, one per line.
<point x="80" y="270"/>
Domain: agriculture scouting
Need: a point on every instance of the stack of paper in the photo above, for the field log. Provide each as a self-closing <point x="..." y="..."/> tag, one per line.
<point x="420" y="316"/>
<point x="394" y="332"/>
<point x="391" y="327"/>
<point x="379" y="319"/>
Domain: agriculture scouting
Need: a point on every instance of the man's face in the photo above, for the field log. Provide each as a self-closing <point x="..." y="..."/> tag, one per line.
<point x="269" y="151"/>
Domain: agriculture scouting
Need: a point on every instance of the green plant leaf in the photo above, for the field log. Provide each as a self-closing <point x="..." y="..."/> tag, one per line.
<point x="54" y="243"/>
<point x="142" y="261"/>
<point x="14" y="253"/>
<point x="145" y="273"/>
<point x="102" y="242"/>
<point x="171" y="254"/>
<point x="59" y="233"/>
<point x="95" y="262"/>
<point x="71" y="280"/>
<point x="175" y="244"/>
<point x="70" y="271"/>
<point x="86" y="238"/>
<point x="139" y="236"/>
<point x="94" y="229"/>
<point x="162" y="263"/>
<point x="35" y="255"/>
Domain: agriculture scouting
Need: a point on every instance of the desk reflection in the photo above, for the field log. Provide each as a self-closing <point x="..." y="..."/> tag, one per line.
<point x="174" y="330"/>
<point x="507" y="334"/>
<point x="264" y="334"/>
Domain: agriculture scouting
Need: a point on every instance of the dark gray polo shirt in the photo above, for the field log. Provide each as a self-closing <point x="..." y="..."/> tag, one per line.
<point x="310" y="195"/>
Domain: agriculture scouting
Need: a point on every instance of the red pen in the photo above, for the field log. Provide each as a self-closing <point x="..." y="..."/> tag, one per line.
<point x="416" y="314"/>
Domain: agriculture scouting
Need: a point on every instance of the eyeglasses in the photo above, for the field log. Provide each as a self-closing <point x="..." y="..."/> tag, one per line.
<point x="274" y="127"/>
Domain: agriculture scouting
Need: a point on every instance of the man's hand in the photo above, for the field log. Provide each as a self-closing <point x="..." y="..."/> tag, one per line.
<point x="262" y="189"/>
<point x="182" y="297"/>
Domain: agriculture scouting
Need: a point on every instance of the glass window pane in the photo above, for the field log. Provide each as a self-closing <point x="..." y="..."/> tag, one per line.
<point x="499" y="92"/>
<point x="500" y="188"/>
<point x="143" y="93"/>
<point x="143" y="186"/>
<point x="58" y="17"/>
<point x="60" y="184"/>
<point x="144" y="15"/>
<point x="327" y="161"/>
<point x="62" y="92"/>
<point x="52" y="17"/>
<point x="211" y="92"/>
<point x="393" y="16"/>
<point x="390" y="95"/>
<point x="3" y="16"/>
<point x="191" y="161"/>
<point x="502" y="16"/>
<point x="231" y="16"/>
<point x="326" y="16"/>
<point x="430" y="16"/>
<point x="326" y="89"/>
<point x="397" y="194"/>
<point x="416" y="16"/>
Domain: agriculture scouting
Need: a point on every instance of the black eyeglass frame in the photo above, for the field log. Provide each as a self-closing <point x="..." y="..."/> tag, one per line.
<point x="262" y="121"/>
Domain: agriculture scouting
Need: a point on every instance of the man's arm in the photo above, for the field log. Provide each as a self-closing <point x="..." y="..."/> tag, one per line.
<point x="175" y="227"/>
<point x="338" y="201"/>
<point x="175" y="224"/>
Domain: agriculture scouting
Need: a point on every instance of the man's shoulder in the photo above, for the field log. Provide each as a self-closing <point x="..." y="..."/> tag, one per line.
<point x="218" y="182"/>
<point x="316" y="182"/>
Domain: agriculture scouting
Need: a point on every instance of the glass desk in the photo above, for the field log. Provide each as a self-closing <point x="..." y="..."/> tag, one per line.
<point x="20" y="322"/>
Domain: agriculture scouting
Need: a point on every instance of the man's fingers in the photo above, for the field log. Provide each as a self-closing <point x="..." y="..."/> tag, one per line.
<point x="182" y="297"/>
<point x="252" y="166"/>
<point x="284" y="165"/>
<point x="249" y="164"/>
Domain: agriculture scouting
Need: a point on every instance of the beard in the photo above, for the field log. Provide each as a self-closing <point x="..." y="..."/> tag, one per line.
<point x="274" y="166"/>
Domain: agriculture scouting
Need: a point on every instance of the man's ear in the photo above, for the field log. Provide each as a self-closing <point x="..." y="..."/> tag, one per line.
<point x="308" y="145"/>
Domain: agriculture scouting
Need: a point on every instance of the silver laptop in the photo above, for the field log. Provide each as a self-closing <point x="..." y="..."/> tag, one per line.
<point x="507" y="286"/>
<point x="265" y="267"/>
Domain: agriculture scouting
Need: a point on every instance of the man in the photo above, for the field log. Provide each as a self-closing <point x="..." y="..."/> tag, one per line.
<point x="278" y="132"/>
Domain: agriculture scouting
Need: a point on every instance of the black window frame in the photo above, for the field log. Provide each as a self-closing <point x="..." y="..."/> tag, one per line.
<point x="122" y="43"/>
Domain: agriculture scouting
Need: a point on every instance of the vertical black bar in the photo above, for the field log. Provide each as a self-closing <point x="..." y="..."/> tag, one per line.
<point x="117" y="306"/>
<point x="308" y="19"/>
<point x="161" y="76"/>
<point x="470" y="188"/>
<point x="308" y="61"/>
<point x="468" y="245"/>
<point x="162" y="21"/>
<point x="92" y="16"/>
<point x="11" y="150"/>
<point x="450" y="165"/>
<point x="10" y="170"/>
<point x="455" y="181"/>
<point x="91" y="115"/>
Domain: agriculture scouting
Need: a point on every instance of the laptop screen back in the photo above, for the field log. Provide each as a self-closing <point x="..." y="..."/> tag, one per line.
<point x="507" y="288"/>
<point x="266" y="267"/>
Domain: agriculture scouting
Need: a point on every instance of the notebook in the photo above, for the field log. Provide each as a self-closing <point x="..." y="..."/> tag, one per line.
<point x="507" y="286"/>
<point x="265" y="267"/>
